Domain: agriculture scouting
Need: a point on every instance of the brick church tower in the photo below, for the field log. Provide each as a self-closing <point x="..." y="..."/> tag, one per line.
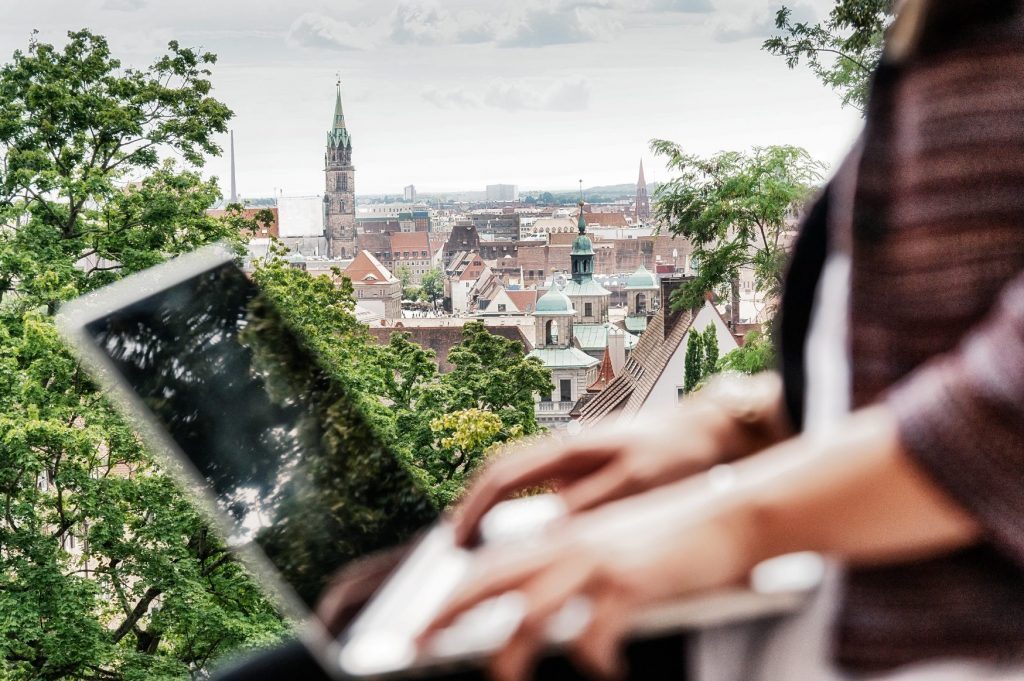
<point x="340" y="191"/>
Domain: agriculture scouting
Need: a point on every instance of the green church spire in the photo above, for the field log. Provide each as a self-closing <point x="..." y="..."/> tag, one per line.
<point x="339" y="114"/>
<point x="338" y="136"/>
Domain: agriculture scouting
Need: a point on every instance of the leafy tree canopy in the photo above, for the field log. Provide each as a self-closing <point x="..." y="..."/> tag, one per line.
<point x="106" y="572"/>
<point x="756" y="355"/>
<point x="842" y="51"/>
<point x="736" y="209"/>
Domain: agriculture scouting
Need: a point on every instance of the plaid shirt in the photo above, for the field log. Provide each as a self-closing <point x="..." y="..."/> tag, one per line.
<point x="935" y="229"/>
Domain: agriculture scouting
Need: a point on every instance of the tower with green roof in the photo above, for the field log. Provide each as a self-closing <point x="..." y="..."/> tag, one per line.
<point x="572" y="370"/>
<point x="588" y="297"/>
<point x="340" y="190"/>
<point x="642" y="289"/>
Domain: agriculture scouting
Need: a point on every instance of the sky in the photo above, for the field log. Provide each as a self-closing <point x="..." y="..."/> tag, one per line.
<point x="455" y="95"/>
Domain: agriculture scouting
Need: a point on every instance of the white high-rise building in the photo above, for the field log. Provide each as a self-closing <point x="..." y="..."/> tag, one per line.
<point x="502" y="192"/>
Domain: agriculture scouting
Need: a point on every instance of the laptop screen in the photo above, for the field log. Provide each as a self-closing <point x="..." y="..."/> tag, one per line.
<point x="287" y="455"/>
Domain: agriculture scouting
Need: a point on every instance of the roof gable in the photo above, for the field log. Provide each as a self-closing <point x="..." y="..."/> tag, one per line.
<point x="367" y="269"/>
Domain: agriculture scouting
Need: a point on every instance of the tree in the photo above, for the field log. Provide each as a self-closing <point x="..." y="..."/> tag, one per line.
<point x="492" y="377"/>
<point x="432" y="286"/>
<point x="441" y="425"/>
<point x="701" y="360"/>
<point x="735" y="209"/>
<point x="404" y="274"/>
<point x="694" y="360"/>
<point x="106" y="571"/>
<point x="756" y="355"/>
<point x="842" y="51"/>
<point x="710" y="343"/>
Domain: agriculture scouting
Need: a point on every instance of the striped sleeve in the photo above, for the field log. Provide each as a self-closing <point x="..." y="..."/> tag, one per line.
<point x="961" y="418"/>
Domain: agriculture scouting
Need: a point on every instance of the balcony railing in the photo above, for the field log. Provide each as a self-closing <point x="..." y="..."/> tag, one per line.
<point x="555" y="407"/>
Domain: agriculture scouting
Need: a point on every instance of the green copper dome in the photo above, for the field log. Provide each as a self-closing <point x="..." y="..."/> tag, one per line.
<point x="582" y="245"/>
<point x="641" y="279"/>
<point x="554" y="302"/>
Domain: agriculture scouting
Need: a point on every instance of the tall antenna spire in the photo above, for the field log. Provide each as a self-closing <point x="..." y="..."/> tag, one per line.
<point x="234" y="187"/>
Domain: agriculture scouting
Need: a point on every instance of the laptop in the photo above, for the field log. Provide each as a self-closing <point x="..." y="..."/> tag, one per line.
<point x="282" y="459"/>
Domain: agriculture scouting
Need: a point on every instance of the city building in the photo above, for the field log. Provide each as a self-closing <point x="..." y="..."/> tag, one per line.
<point x="501" y="193"/>
<point x="387" y="218"/>
<point x="376" y="289"/>
<point x="415" y="251"/>
<point x="339" y="202"/>
<point x="301" y="224"/>
<point x="464" y="237"/>
<point x="409" y="193"/>
<point x="572" y="370"/>
<point x="497" y="227"/>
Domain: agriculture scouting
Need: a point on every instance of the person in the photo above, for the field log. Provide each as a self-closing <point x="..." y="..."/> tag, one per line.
<point x="894" y="437"/>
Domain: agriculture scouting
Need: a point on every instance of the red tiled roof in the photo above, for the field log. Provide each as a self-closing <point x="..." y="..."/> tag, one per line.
<point x="250" y="214"/>
<point x="366" y="269"/>
<point x="408" y="241"/>
<point x="605" y="375"/>
<point x="525" y="301"/>
<point x="607" y="219"/>
<point x="630" y="389"/>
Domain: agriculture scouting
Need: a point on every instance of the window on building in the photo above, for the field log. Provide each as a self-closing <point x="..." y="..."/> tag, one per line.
<point x="545" y="397"/>
<point x="565" y="390"/>
<point x="641" y="303"/>
<point x="588" y="309"/>
<point x="680" y="392"/>
<point x="501" y="307"/>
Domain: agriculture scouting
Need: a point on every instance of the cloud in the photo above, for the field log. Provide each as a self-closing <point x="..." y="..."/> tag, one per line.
<point x="323" y="32"/>
<point x="685" y="6"/>
<point x="451" y="99"/>
<point x="559" y="96"/>
<point x="540" y="27"/>
<point x="427" y="23"/>
<point x="124" y="5"/>
<point x="756" y="23"/>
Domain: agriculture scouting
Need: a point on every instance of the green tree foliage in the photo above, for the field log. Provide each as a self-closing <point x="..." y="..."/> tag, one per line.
<point x="701" y="360"/>
<point x="735" y="209"/>
<point x="491" y="378"/>
<point x="432" y="286"/>
<point x="404" y="274"/>
<point x="106" y="572"/>
<point x="756" y="355"/>
<point x="434" y="421"/>
<point x="842" y="51"/>
<point x="710" y="343"/>
<point x="694" y="360"/>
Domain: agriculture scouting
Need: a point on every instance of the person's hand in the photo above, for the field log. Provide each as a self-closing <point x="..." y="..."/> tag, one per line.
<point x="352" y="586"/>
<point x="614" y="462"/>
<point x="619" y="570"/>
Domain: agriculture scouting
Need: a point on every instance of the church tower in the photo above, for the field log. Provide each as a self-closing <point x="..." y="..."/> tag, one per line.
<point x="589" y="298"/>
<point x="643" y="201"/>
<point x="340" y="191"/>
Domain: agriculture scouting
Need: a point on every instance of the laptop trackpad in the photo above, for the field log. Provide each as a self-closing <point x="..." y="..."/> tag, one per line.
<point x="381" y="640"/>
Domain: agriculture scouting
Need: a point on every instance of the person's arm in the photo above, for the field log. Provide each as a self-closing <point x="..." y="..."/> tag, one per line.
<point x="728" y="420"/>
<point x="858" y="497"/>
